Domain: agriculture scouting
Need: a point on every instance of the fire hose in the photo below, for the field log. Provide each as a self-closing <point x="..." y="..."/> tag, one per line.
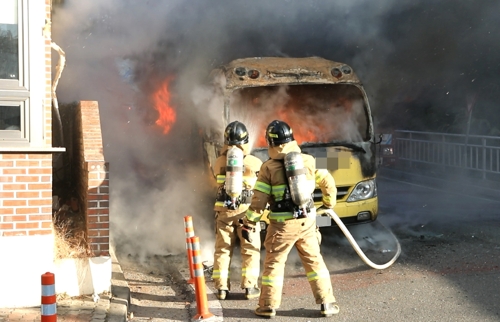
<point x="355" y="245"/>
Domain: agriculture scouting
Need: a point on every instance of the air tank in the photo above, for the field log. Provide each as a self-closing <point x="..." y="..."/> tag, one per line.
<point x="297" y="179"/>
<point x="234" y="173"/>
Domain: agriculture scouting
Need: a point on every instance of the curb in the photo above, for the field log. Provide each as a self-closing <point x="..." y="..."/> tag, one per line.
<point x="120" y="293"/>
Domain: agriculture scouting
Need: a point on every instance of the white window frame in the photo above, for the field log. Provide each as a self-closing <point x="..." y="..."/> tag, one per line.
<point x="28" y="91"/>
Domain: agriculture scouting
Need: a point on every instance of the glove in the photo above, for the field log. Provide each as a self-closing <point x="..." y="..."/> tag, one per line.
<point x="246" y="229"/>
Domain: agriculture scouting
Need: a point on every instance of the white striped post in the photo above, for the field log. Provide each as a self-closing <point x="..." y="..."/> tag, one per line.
<point x="49" y="307"/>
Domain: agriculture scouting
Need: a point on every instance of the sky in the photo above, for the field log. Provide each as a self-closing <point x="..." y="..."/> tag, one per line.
<point x="421" y="61"/>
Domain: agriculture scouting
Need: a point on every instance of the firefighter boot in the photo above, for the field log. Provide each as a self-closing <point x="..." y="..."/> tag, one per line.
<point x="222" y="294"/>
<point x="252" y="292"/>
<point x="265" y="312"/>
<point x="329" y="309"/>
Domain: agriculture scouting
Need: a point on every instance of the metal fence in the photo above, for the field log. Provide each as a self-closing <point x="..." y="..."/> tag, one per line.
<point x="473" y="152"/>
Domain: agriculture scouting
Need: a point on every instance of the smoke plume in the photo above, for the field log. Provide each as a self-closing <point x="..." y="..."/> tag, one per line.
<point x="418" y="60"/>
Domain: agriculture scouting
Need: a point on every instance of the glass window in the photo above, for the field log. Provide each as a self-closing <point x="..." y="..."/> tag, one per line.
<point x="10" y="118"/>
<point x="333" y="112"/>
<point x="22" y="77"/>
<point x="9" y="40"/>
<point x="12" y="125"/>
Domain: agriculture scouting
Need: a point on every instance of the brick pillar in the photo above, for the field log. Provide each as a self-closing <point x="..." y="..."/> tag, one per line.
<point x="98" y="207"/>
<point x="93" y="173"/>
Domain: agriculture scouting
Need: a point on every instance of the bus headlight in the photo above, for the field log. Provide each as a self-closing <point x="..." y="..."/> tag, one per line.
<point x="363" y="190"/>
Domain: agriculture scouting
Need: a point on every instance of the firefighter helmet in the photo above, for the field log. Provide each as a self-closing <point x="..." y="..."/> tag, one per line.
<point x="235" y="133"/>
<point x="278" y="132"/>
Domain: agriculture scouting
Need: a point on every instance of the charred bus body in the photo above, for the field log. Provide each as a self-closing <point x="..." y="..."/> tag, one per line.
<point x="325" y="104"/>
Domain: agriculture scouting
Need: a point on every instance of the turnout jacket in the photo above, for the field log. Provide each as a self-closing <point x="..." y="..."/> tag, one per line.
<point x="272" y="182"/>
<point x="251" y="166"/>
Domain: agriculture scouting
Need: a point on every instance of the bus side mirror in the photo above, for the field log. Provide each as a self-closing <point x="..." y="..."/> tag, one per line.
<point x="380" y="139"/>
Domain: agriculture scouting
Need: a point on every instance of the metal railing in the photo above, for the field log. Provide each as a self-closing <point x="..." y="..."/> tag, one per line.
<point x="472" y="152"/>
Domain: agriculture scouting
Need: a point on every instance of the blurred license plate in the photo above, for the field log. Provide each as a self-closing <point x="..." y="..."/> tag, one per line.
<point x="323" y="221"/>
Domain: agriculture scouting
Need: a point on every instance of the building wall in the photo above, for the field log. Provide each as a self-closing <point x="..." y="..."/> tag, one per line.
<point x="26" y="195"/>
<point x="27" y="189"/>
<point x="26" y="239"/>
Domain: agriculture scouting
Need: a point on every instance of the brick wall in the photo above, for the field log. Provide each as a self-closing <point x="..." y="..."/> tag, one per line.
<point x="26" y="178"/>
<point x="92" y="173"/>
<point x="25" y="194"/>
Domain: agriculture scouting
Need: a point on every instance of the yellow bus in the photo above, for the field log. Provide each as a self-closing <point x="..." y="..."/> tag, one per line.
<point x="325" y="104"/>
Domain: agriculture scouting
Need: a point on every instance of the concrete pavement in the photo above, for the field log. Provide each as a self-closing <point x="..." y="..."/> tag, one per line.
<point x="110" y="307"/>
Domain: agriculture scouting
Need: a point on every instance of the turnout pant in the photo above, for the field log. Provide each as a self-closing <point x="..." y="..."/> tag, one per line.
<point x="281" y="237"/>
<point x="228" y="231"/>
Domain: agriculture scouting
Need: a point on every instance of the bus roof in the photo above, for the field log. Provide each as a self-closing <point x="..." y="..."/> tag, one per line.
<point x="265" y="71"/>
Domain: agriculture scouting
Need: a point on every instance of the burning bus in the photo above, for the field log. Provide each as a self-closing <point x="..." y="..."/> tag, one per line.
<point x="325" y="104"/>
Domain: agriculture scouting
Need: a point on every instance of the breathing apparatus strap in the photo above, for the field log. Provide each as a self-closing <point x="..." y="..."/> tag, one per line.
<point x="295" y="172"/>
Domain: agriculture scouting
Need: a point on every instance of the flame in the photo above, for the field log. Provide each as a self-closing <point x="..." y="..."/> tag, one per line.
<point x="301" y="134"/>
<point x="315" y="116"/>
<point x="161" y="102"/>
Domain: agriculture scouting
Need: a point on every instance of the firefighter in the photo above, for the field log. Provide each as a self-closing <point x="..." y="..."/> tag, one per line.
<point x="236" y="173"/>
<point x="286" y="182"/>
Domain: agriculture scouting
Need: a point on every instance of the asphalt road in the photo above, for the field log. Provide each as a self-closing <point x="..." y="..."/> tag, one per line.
<point x="448" y="270"/>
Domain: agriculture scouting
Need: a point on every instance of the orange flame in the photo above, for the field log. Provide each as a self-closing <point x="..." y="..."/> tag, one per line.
<point x="301" y="134"/>
<point x="161" y="102"/>
<point x="324" y="114"/>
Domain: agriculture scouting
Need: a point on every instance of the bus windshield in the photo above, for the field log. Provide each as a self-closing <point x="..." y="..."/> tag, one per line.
<point x="318" y="113"/>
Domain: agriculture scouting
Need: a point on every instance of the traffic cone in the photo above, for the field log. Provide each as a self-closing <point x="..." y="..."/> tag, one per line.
<point x="199" y="282"/>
